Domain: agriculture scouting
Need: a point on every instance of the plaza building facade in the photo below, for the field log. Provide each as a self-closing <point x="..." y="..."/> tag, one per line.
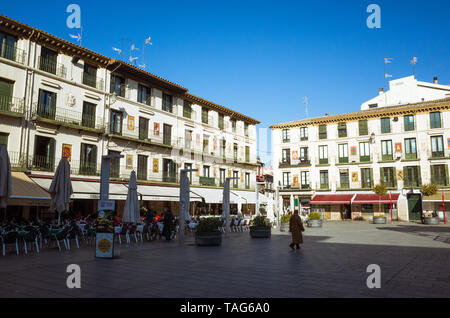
<point x="58" y="99"/>
<point x="330" y="164"/>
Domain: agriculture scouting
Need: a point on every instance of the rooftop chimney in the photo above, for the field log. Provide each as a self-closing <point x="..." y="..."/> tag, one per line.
<point x="381" y="91"/>
<point x="435" y="80"/>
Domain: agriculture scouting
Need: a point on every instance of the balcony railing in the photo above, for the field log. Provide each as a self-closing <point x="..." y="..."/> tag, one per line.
<point x="93" y="81"/>
<point x="12" y="53"/>
<point x="207" y="181"/>
<point x="69" y="117"/>
<point x="43" y="163"/>
<point x="50" y="66"/>
<point x="9" y="104"/>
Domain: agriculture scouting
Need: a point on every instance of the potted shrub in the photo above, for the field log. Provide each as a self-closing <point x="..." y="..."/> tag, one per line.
<point x="427" y="190"/>
<point x="207" y="232"/>
<point x="284" y="220"/>
<point x="314" y="219"/>
<point x="381" y="190"/>
<point x="261" y="227"/>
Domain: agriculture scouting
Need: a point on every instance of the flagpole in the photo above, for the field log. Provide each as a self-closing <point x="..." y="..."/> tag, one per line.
<point x="390" y="199"/>
<point x="443" y="204"/>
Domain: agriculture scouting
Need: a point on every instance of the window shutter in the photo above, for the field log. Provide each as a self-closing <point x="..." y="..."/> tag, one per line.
<point x="371" y="177"/>
<point x="405" y="177"/>
<point x="381" y="175"/>
<point x="363" y="128"/>
<point x="419" y="174"/>
<point x="446" y="175"/>
<point x="395" y="177"/>
<point x="432" y="172"/>
<point x="6" y="89"/>
<point x="93" y="162"/>
<point x="51" y="153"/>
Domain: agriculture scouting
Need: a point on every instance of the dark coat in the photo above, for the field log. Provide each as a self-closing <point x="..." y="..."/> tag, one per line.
<point x="296" y="228"/>
<point x="168" y="222"/>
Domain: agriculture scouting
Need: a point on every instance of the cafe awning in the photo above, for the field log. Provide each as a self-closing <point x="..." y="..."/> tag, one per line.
<point x="27" y="193"/>
<point x="331" y="199"/>
<point x="373" y="198"/>
<point x="156" y="193"/>
<point x="437" y="197"/>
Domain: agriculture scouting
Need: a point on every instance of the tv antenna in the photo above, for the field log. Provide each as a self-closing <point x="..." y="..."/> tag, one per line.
<point x="305" y="101"/>
<point x="413" y="63"/>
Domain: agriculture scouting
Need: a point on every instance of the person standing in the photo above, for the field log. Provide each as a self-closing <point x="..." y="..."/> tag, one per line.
<point x="168" y="221"/>
<point x="296" y="228"/>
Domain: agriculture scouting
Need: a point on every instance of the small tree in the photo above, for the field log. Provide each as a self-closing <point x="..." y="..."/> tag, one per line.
<point x="428" y="189"/>
<point x="381" y="190"/>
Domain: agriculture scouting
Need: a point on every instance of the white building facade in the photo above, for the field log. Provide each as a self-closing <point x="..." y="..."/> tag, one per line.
<point x="59" y="99"/>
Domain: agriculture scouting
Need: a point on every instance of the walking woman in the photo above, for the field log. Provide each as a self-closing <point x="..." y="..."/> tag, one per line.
<point x="296" y="228"/>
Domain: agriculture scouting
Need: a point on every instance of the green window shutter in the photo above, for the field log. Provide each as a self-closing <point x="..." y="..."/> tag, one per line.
<point x="419" y="174"/>
<point x="4" y="139"/>
<point x="381" y="175"/>
<point x="363" y="130"/>
<point x="6" y="88"/>
<point x="406" y="122"/>
<point x="371" y="177"/>
<point x="51" y="153"/>
<point x="446" y="175"/>
<point x="395" y="177"/>
<point x="433" y="179"/>
<point x="405" y="177"/>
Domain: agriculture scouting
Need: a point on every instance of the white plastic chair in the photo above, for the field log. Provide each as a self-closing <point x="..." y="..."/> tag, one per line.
<point x="140" y="231"/>
<point x="118" y="230"/>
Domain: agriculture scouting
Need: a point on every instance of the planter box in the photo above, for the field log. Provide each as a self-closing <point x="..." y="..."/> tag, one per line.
<point x="314" y="223"/>
<point x="284" y="227"/>
<point x="431" y="221"/>
<point x="208" y="238"/>
<point x="260" y="231"/>
<point x="379" y="220"/>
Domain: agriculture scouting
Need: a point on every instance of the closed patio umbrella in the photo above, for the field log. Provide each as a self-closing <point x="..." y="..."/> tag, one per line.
<point x="61" y="188"/>
<point x="5" y="177"/>
<point x="131" y="211"/>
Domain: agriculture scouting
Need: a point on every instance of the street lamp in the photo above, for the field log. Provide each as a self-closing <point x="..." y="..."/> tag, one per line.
<point x="257" y="197"/>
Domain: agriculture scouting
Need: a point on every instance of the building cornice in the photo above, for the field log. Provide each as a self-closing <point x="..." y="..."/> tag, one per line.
<point x="407" y="109"/>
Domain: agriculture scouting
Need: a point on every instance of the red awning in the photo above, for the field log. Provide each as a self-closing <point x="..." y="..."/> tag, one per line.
<point x="375" y="198"/>
<point x="332" y="199"/>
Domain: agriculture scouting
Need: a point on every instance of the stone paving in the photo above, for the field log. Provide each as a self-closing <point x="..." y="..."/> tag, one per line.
<point x="414" y="261"/>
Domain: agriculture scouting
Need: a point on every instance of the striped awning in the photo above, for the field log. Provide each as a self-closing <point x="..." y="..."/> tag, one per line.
<point x="331" y="199"/>
<point x="373" y="198"/>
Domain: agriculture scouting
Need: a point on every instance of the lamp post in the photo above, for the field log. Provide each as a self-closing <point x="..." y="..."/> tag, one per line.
<point x="184" y="202"/>
<point x="257" y="197"/>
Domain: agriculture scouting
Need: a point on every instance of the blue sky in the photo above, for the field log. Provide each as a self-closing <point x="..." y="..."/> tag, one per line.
<point x="262" y="57"/>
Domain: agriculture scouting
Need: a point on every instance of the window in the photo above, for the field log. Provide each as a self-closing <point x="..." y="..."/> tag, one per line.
<point x="44" y="153"/>
<point x="303" y="154"/>
<point x="373" y="105"/>
<point x="235" y="152"/>
<point x="88" y="159"/>
<point x="4" y="139"/>
<point x="143" y="128"/>
<point x="246" y="129"/>
<point x="142" y="167"/>
<point x="144" y="95"/>
<point x="304" y="180"/>
<point x="324" y="179"/>
<point x="188" y="139"/>
<point x="386" y="150"/>
<point x="385" y="125"/>
<point x="8" y="46"/>
<point x="205" y="144"/>
<point x="364" y="152"/>
<point x="247" y="154"/>
<point x="223" y="148"/>
<point x="88" y="117"/>
<point x="167" y="103"/>
<point x="411" y="176"/>
<point x="366" y="178"/>
<point x="90" y="75"/>
<point x="247" y="180"/>
<point x="437" y="146"/>
<point x="410" y="148"/>
<point x="6" y="94"/>
<point x="409" y="122"/>
<point x="236" y="179"/>
<point x="342" y="130"/>
<point x="167" y="134"/>
<point x="323" y="154"/>
<point x="222" y="177"/>
<point x="206" y="171"/>
<point x="188" y="166"/>
<point x="187" y="109"/>
<point x="435" y="120"/>
<point x="344" y="179"/>
<point x="46" y="104"/>
<point x="388" y="177"/>
<point x="286" y="137"/>
<point x="303" y="133"/>
<point x="439" y="175"/>
<point x="367" y="208"/>
<point x="117" y="85"/>
<point x="115" y="125"/>
<point x="286" y="156"/>
<point x="169" y="170"/>
<point x="47" y="60"/>
<point x="115" y="165"/>
<point x="323" y="132"/>
<point x="343" y="153"/>
<point x="286" y="179"/>
<point x="205" y="115"/>
<point x="233" y="125"/>
<point x="221" y="121"/>
<point x="363" y="130"/>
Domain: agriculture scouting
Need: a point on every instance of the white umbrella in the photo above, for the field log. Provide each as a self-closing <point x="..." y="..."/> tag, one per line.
<point x="5" y="177"/>
<point x="131" y="211"/>
<point x="61" y="188"/>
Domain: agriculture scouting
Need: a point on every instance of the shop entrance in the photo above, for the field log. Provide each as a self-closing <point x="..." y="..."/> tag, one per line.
<point x="414" y="206"/>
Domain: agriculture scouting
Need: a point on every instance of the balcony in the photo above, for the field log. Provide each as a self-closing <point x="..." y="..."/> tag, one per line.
<point x="52" y="67"/>
<point x="11" y="106"/>
<point x="13" y="53"/>
<point x="68" y="118"/>
<point x="93" y="81"/>
<point x="169" y="178"/>
<point x="207" y="181"/>
<point x="142" y="136"/>
<point x="43" y="163"/>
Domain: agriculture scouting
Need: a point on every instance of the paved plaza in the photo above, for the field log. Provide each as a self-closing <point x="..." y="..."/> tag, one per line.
<point x="414" y="261"/>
